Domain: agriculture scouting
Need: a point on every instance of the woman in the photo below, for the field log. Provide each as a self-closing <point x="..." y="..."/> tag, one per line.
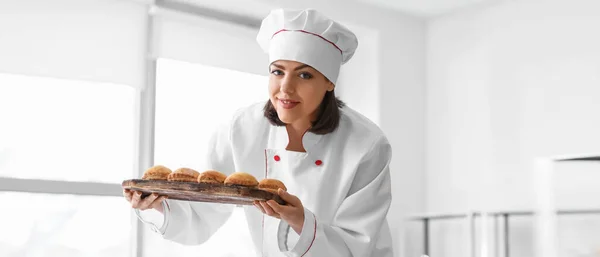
<point x="333" y="160"/>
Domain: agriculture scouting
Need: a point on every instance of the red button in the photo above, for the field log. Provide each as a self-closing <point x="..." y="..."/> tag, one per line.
<point x="276" y="158"/>
<point x="318" y="162"/>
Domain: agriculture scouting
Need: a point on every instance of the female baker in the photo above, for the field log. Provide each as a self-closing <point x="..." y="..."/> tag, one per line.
<point x="333" y="161"/>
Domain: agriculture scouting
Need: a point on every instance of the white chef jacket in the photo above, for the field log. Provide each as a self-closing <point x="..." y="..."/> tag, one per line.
<point x="342" y="179"/>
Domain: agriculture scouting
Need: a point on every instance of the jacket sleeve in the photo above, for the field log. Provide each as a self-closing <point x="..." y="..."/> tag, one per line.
<point x="192" y="223"/>
<point x="355" y="229"/>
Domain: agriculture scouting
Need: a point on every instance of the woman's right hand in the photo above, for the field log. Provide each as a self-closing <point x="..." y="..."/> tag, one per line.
<point x="153" y="201"/>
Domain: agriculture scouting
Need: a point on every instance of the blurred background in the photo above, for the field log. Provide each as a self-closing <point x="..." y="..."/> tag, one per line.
<point x="469" y="92"/>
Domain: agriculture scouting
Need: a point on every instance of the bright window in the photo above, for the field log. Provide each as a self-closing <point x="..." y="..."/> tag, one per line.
<point x="191" y="99"/>
<point x="64" y="225"/>
<point x="65" y="130"/>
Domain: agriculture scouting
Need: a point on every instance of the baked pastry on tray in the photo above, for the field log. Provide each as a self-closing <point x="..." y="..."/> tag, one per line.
<point x="184" y="175"/>
<point x="271" y="185"/>
<point x="157" y="172"/>
<point x="241" y="179"/>
<point x="212" y="177"/>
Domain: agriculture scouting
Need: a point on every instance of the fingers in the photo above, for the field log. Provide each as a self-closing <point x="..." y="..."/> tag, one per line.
<point x="269" y="211"/>
<point x="276" y="207"/>
<point x="158" y="202"/>
<point x="127" y="194"/>
<point x="290" y="199"/>
<point x="147" y="202"/>
<point x="266" y="209"/>
<point x="293" y="215"/>
<point x="137" y="202"/>
<point x="259" y="207"/>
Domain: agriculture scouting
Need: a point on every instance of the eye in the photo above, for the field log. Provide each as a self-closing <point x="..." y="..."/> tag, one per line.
<point x="276" y="72"/>
<point x="306" y="75"/>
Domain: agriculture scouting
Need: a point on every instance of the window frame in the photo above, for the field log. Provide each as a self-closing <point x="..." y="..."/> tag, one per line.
<point x="145" y="104"/>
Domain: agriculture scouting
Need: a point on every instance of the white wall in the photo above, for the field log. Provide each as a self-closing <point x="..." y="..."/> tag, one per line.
<point x="402" y="103"/>
<point x="505" y="84"/>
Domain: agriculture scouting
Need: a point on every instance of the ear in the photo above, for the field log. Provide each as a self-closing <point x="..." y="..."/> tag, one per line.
<point x="330" y="86"/>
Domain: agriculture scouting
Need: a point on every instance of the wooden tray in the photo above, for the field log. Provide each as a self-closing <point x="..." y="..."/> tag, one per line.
<point x="201" y="192"/>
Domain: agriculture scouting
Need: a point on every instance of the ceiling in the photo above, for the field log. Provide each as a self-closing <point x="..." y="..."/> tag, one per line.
<point x="427" y="8"/>
<point x="419" y="8"/>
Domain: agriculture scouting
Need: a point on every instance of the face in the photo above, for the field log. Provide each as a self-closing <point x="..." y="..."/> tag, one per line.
<point x="296" y="91"/>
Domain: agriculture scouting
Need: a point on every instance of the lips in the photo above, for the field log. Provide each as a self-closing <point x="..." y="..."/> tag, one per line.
<point x="287" y="103"/>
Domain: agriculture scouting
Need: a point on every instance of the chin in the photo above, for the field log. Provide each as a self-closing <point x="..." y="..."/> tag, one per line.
<point x="286" y="118"/>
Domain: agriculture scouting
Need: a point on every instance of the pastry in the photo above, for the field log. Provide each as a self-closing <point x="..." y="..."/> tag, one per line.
<point x="212" y="177"/>
<point x="242" y="179"/>
<point x="157" y="172"/>
<point x="184" y="175"/>
<point x="271" y="185"/>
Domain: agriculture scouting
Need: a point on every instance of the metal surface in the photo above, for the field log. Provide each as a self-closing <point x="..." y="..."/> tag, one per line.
<point x="59" y="187"/>
<point x="426" y="236"/>
<point x="503" y="229"/>
<point x="506" y="235"/>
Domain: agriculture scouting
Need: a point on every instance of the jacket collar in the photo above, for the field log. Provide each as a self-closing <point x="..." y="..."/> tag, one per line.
<point x="278" y="139"/>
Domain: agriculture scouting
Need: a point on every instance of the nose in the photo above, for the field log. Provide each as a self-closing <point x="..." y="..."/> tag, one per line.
<point x="287" y="85"/>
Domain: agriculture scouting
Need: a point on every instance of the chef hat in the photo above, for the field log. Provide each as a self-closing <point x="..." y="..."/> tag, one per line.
<point x="309" y="37"/>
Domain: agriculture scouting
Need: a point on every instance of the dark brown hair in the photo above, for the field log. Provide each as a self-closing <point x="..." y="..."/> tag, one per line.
<point x="327" y="121"/>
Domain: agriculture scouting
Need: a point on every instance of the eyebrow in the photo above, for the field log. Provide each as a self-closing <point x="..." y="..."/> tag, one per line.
<point x="297" y="68"/>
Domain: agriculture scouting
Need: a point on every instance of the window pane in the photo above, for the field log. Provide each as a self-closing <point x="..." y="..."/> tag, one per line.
<point x="43" y="225"/>
<point x="219" y="245"/>
<point x="191" y="100"/>
<point x="65" y="130"/>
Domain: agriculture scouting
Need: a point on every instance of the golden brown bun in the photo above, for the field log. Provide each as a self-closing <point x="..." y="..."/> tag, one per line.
<point x="271" y="185"/>
<point x="157" y="172"/>
<point x="184" y="175"/>
<point x="242" y="179"/>
<point x="212" y="177"/>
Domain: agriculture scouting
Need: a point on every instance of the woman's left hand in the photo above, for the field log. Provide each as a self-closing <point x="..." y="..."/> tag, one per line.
<point x="292" y="213"/>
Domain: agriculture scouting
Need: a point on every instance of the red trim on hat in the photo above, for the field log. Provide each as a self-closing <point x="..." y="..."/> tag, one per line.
<point x="304" y="31"/>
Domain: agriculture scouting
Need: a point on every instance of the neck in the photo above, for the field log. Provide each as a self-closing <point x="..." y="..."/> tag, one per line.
<point x="295" y="132"/>
<point x="298" y="127"/>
